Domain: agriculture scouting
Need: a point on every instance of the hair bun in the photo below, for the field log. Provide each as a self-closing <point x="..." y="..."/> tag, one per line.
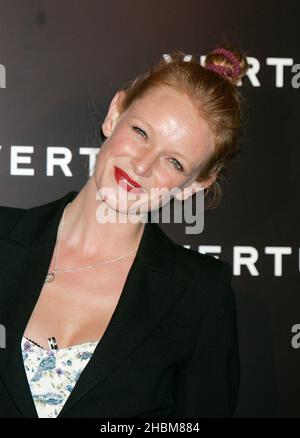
<point x="226" y="63"/>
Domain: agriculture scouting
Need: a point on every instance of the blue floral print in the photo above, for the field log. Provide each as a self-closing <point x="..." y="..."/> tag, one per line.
<point x="52" y="374"/>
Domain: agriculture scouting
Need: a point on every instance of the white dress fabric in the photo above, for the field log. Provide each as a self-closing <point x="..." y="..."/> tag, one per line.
<point x="52" y="374"/>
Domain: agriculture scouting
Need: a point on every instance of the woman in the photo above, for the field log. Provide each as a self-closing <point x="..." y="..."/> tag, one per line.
<point x="111" y="318"/>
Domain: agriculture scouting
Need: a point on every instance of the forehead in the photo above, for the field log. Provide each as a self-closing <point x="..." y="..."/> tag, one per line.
<point x="175" y="119"/>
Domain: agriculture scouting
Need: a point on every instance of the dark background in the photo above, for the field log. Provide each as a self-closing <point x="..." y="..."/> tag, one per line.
<point x="64" y="61"/>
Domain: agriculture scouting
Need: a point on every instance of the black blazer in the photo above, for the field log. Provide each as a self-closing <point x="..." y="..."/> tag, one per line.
<point x="170" y="349"/>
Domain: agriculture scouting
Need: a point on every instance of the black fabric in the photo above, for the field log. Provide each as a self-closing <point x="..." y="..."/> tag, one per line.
<point x="170" y="349"/>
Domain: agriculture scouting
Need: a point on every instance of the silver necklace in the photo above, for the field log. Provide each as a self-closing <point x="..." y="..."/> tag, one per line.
<point x="51" y="275"/>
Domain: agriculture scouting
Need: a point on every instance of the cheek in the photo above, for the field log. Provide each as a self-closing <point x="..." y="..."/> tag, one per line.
<point x="117" y="146"/>
<point x="167" y="177"/>
<point x="122" y="144"/>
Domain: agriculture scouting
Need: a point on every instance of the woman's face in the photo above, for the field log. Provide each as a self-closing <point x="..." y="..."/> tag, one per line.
<point x="160" y="141"/>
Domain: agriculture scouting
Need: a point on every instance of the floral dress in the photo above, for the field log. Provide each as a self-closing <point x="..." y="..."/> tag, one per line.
<point x="52" y="374"/>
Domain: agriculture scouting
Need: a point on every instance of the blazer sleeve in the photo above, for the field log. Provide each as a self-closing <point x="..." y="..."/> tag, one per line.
<point x="207" y="383"/>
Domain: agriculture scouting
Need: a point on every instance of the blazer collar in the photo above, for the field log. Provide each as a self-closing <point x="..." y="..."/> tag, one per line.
<point x="24" y="260"/>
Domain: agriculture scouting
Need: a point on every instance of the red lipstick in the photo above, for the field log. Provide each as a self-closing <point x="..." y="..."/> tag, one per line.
<point x="131" y="184"/>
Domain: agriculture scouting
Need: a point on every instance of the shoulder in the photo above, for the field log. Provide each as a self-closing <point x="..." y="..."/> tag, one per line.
<point x="196" y="264"/>
<point x="209" y="279"/>
<point x="29" y="221"/>
<point x="9" y="216"/>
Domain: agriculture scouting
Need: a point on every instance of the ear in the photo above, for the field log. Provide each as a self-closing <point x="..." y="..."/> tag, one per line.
<point x="188" y="191"/>
<point x="113" y="114"/>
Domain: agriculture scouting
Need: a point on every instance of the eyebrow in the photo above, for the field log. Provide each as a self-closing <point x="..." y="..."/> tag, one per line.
<point x="152" y="129"/>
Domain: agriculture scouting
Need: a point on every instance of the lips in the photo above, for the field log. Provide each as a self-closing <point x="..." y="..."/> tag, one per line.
<point x="121" y="176"/>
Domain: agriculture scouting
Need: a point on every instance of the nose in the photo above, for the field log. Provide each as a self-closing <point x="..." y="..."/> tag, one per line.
<point x="143" y="165"/>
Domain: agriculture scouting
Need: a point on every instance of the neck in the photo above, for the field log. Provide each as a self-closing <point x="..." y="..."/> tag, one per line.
<point x="84" y="237"/>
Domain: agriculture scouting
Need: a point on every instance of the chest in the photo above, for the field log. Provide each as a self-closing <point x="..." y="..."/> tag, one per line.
<point x="77" y="306"/>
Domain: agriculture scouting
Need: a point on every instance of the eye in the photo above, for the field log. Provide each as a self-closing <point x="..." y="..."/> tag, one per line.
<point x="177" y="164"/>
<point x="143" y="133"/>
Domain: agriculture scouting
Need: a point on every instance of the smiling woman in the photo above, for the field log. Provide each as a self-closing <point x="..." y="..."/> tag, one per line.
<point x="201" y="150"/>
<point x="142" y="326"/>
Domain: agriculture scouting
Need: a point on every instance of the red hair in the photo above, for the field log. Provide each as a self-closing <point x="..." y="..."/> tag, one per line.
<point x="217" y="99"/>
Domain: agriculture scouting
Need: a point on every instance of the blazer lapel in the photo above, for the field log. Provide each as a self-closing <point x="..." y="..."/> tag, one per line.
<point x="25" y="256"/>
<point x="24" y="262"/>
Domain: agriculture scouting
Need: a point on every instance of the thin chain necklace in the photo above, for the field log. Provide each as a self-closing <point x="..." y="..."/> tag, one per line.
<point x="51" y="275"/>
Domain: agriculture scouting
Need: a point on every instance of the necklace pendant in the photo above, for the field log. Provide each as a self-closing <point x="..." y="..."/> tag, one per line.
<point x="50" y="277"/>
